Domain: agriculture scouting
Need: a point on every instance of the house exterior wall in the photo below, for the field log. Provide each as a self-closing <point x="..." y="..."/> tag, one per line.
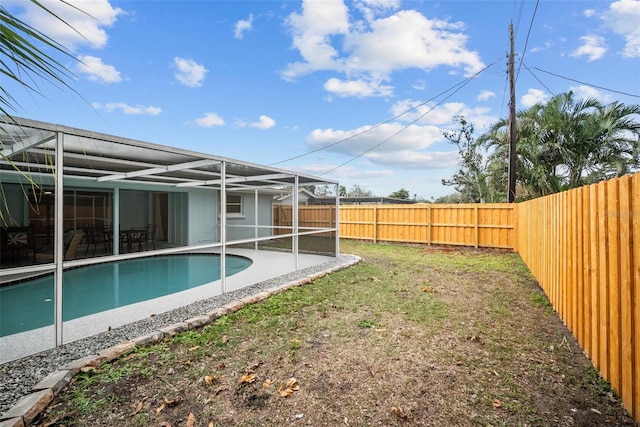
<point x="202" y="216"/>
<point x="248" y="218"/>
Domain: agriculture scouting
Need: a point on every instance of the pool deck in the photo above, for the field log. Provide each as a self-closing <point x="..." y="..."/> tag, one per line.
<point x="266" y="265"/>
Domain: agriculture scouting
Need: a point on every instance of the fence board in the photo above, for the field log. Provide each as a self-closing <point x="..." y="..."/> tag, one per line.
<point x="583" y="247"/>
<point x="489" y="226"/>
<point x="634" y="408"/>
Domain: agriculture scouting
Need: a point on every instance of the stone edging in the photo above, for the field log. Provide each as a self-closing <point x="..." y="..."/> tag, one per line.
<point x="27" y="409"/>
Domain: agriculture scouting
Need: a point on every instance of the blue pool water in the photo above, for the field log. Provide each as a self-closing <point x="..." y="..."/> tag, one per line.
<point x="92" y="289"/>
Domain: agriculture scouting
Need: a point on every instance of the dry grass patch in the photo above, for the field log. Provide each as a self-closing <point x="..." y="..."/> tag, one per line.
<point x="411" y="336"/>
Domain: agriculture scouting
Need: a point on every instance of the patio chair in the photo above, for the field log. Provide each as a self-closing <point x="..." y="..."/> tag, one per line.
<point x="95" y="236"/>
<point x="135" y="235"/>
<point x="16" y="241"/>
<point x="70" y="248"/>
<point x="151" y="236"/>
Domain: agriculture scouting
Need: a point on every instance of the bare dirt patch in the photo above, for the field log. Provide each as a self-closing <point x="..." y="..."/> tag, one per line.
<point x="411" y="336"/>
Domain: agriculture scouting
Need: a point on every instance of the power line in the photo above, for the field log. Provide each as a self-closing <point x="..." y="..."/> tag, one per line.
<point x="536" y="77"/>
<point x="587" y="84"/>
<point x="464" y="82"/>
<point x="533" y="17"/>
<point x="461" y="85"/>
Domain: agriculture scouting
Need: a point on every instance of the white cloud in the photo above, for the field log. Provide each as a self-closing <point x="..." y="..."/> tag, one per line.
<point x="583" y="92"/>
<point x="242" y="26"/>
<point x="209" y="120"/>
<point x="594" y="48"/>
<point x="622" y="18"/>
<point x="417" y="160"/>
<point x="344" y="172"/>
<point x="361" y="139"/>
<point x="312" y="31"/>
<point x="357" y="88"/>
<point x="442" y="115"/>
<point x="372" y="8"/>
<point x="533" y="97"/>
<point x="189" y="73"/>
<point x="589" y="13"/>
<point x="547" y="45"/>
<point x="390" y="144"/>
<point x="371" y="50"/>
<point x="97" y="71"/>
<point x="485" y="95"/>
<point x="127" y="109"/>
<point x="264" y="122"/>
<point x="84" y="21"/>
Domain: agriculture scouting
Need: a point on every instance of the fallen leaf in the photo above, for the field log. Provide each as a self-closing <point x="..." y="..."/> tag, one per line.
<point x="375" y="279"/>
<point x="161" y="408"/>
<point x="287" y="389"/>
<point x="224" y="339"/>
<point x="137" y="407"/>
<point x="211" y="424"/>
<point x="284" y="392"/>
<point x="210" y="379"/>
<point x="129" y="357"/>
<point x="497" y="403"/>
<point x="194" y="348"/>
<point x="191" y="420"/>
<point x="248" y="378"/>
<point x="88" y="369"/>
<point x="398" y="411"/>
<point x="458" y="362"/>
<point x="173" y="402"/>
<point x="292" y="383"/>
<point x="428" y="289"/>
<point x="267" y="383"/>
<point x="220" y="390"/>
<point x="596" y="411"/>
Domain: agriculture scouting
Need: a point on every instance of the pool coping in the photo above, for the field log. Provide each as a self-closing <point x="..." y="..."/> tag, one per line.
<point x="29" y="407"/>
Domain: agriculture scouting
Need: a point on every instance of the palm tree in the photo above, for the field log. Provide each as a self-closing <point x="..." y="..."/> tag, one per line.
<point x="567" y="142"/>
<point x="23" y="62"/>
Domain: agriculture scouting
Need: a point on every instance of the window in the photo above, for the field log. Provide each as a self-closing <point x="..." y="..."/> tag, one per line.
<point x="234" y="205"/>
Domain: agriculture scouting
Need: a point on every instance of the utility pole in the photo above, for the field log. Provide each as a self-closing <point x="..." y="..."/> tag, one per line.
<point x="511" y="192"/>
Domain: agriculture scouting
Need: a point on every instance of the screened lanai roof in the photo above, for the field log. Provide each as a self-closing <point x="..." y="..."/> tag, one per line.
<point x="30" y="146"/>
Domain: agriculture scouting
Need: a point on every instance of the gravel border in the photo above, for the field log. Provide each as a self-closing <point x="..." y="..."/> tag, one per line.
<point x="20" y="378"/>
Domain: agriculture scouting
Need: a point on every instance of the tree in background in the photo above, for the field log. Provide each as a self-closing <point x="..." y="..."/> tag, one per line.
<point x="400" y="194"/>
<point x="473" y="180"/>
<point x="567" y="143"/>
<point x="358" y="191"/>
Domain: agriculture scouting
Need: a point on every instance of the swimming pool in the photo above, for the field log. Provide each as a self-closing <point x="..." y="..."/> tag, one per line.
<point x="101" y="287"/>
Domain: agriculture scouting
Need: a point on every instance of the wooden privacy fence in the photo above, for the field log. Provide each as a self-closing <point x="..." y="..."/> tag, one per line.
<point x="308" y="217"/>
<point x="583" y="247"/>
<point x="486" y="226"/>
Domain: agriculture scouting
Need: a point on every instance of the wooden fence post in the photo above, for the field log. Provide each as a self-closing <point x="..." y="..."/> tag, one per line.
<point x="475" y="213"/>
<point x="429" y="226"/>
<point x="375" y="224"/>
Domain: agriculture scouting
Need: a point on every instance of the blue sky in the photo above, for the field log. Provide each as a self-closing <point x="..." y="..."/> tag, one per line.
<point x="268" y="81"/>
